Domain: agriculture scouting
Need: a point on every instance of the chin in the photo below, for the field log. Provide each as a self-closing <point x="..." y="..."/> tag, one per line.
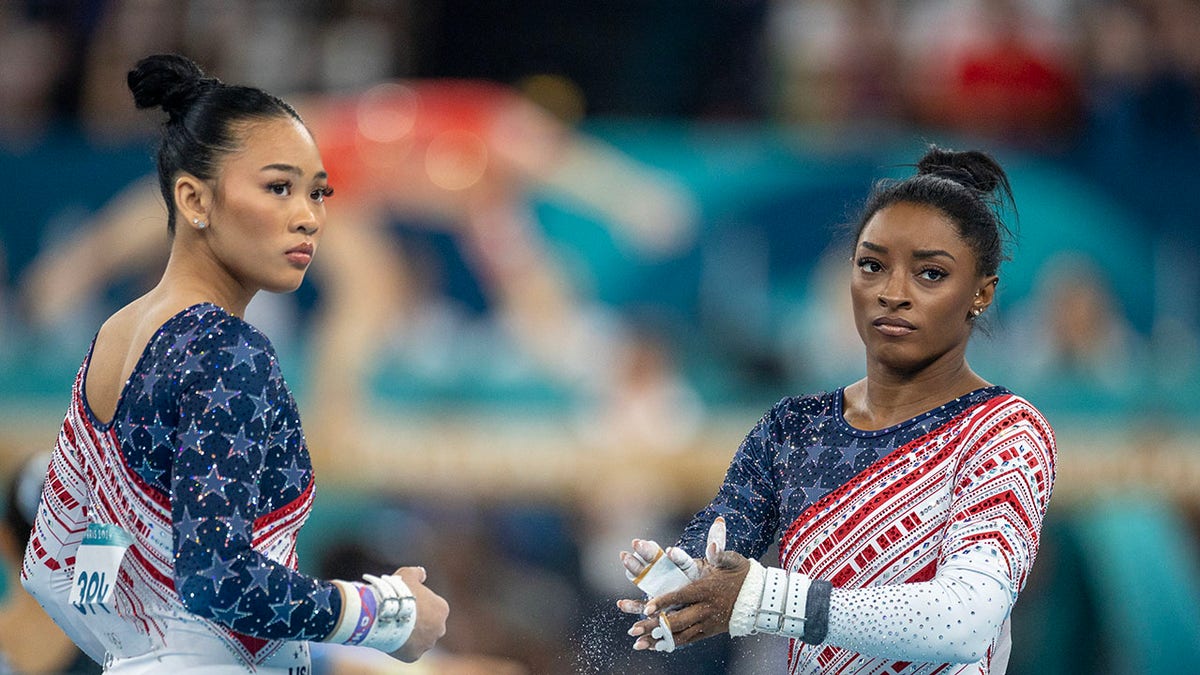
<point x="284" y="286"/>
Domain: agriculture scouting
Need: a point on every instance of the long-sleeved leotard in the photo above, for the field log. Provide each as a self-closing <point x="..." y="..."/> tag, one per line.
<point x="206" y="466"/>
<point x="926" y="530"/>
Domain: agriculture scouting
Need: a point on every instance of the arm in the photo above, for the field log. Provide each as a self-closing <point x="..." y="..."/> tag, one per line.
<point x="229" y="432"/>
<point x="47" y="571"/>
<point x="233" y="439"/>
<point x="747" y="499"/>
<point x="1000" y="498"/>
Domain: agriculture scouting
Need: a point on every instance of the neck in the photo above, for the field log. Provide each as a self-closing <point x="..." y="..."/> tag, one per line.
<point x="888" y="396"/>
<point x="193" y="275"/>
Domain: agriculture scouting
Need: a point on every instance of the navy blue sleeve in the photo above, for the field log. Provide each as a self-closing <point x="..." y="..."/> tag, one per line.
<point x="233" y="442"/>
<point x="748" y="499"/>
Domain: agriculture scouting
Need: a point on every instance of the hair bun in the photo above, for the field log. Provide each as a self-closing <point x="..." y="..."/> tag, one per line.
<point x="170" y="81"/>
<point x="971" y="168"/>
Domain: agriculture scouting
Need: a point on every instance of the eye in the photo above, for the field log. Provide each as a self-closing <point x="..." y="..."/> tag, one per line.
<point x="869" y="265"/>
<point x="320" y="194"/>
<point x="281" y="189"/>
<point x="932" y="274"/>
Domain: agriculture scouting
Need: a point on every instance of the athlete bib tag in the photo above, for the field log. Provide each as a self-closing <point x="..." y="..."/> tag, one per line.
<point x="97" y="562"/>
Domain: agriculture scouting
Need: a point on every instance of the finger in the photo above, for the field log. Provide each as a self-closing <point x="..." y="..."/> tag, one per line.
<point x="647" y="550"/>
<point x="416" y="570"/>
<point x="689" y="635"/>
<point x="728" y="560"/>
<point x="684" y="562"/>
<point x="716" y="540"/>
<point x="632" y="606"/>
<point x="666" y="642"/>
<point x="684" y="596"/>
<point x="643" y="627"/>
<point x="633" y="564"/>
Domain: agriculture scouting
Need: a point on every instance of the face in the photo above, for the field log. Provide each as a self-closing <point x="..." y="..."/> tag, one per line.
<point x="914" y="287"/>
<point x="268" y="208"/>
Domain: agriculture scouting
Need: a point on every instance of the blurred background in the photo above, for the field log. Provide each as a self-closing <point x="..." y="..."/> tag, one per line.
<point x="577" y="248"/>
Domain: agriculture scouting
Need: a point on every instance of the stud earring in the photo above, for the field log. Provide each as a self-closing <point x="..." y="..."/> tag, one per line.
<point x="977" y="311"/>
<point x="199" y="223"/>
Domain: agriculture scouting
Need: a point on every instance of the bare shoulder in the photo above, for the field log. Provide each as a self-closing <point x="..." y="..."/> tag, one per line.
<point x="119" y="344"/>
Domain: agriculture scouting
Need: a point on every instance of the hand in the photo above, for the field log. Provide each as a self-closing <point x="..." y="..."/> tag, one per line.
<point x="432" y="611"/>
<point x="646" y="551"/>
<point x="660" y="630"/>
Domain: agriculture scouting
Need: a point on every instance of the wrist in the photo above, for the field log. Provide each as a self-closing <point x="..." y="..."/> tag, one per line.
<point x="745" y="608"/>
<point x="380" y="613"/>
<point x="773" y="600"/>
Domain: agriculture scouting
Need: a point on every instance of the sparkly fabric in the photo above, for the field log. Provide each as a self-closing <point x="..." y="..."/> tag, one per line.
<point x="205" y="464"/>
<point x="944" y="510"/>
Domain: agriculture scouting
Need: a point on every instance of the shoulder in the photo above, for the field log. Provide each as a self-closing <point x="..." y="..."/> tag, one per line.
<point x="211" y="327"/>
<point x="795" y="412"/>
<point x="1006" y="422"/>
<point x="218" y="341"/>
<point x="1007" y="409"/>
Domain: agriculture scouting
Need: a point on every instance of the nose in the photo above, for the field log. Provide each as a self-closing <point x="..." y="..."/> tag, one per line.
<point x="894" y="294"/>
<point x="309" y="219"/>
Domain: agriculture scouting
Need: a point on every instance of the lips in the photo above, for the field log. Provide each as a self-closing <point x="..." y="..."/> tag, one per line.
<point x="301" y="254"/>
<point x="893" y="326"/>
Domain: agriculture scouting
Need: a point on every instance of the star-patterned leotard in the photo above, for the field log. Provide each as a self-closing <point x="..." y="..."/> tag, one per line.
<point x="206" y="466"/>
<point x="926" y="530"/>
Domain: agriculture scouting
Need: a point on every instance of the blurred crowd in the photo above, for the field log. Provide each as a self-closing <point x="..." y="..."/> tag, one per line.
<point x="1107" y="91"/>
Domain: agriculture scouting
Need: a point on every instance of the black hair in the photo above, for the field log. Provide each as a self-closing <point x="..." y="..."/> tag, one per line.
<point x="969" y="187"/>
<point x="201" y="116"/>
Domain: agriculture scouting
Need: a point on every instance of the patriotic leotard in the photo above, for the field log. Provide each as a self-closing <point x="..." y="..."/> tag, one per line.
<point x="962" y="487"/>
<point x="206" y="466"/>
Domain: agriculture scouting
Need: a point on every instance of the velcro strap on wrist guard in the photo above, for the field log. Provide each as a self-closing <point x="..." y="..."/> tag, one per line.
<point x="792" y="624"/>
<point x="396" y="616"/>
<point x="379" y="614"/>
<point x="774" y="598"/>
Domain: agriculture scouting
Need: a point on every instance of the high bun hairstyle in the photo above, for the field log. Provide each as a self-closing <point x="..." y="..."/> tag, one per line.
<point x="969" y="187"/>
<point x="202" y="113"/>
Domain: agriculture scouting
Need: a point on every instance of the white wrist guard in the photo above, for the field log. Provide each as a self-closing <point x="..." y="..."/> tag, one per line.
<point x="380" y="613"/>
<point x="770" y="601"/>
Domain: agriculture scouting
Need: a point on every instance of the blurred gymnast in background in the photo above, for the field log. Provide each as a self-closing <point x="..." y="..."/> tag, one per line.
<point x="166" y="536"/>
<point x="908" y="505"/>
<point x="461" y="157"/>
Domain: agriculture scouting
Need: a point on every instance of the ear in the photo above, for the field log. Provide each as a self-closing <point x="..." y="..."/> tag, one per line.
<point x="985" y="294"/>
<point x="193" y="200"/>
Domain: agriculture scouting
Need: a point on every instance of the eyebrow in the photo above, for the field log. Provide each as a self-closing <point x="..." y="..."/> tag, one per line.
<point x="292" y="169"/>
<point x="920" y="254"/>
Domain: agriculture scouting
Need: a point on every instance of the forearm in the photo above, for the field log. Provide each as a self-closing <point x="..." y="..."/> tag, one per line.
<point x="57" y="532"/>
<point x="953" y="618"/>
<point x="51" y="589"/>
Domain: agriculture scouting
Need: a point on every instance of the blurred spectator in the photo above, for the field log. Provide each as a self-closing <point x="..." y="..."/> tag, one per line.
<point x="31" y="56"/>
<point x="30" y="642"/>
<point x="126" y="30"/>
<point x="998" y="69"/>
<point x="1073" y="338"/>
<point x="835" y="62"/>
<point x="819" y="339"/>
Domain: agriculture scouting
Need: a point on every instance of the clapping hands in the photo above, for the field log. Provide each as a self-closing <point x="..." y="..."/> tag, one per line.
<point x="687" y="599"/>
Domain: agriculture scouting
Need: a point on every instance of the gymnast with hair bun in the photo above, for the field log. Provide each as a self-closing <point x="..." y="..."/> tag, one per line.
<point x="166" y="536"/>
<point x="908" y="505"/>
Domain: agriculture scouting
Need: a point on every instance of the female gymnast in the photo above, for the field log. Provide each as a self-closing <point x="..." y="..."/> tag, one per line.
<point x="166" y="536"/>
<point x="908" y="504"/>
